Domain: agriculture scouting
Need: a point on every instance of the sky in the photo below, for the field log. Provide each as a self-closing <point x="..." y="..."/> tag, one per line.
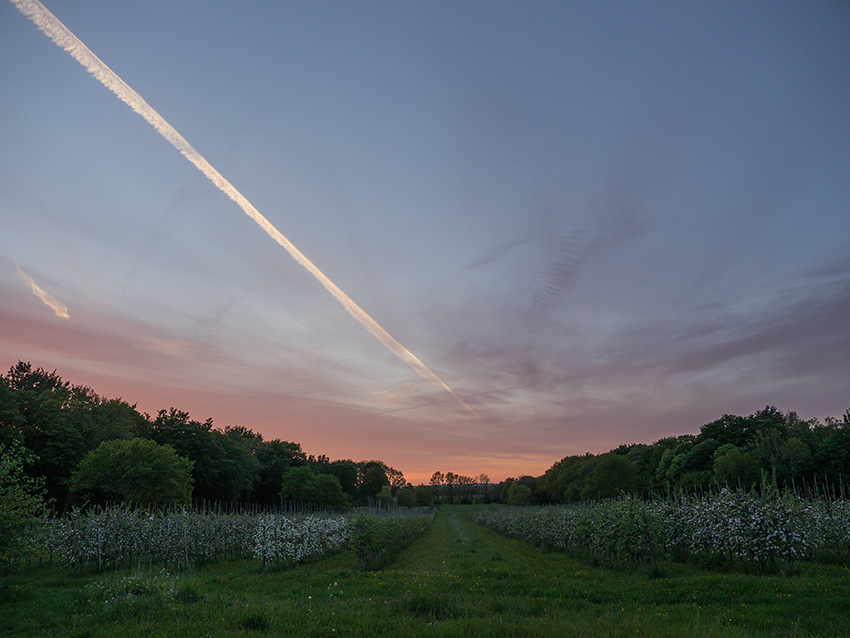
<point x="591" y="223"/>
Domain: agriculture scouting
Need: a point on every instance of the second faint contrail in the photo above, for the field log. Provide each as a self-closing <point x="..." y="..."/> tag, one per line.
<point x="62" y="36"/>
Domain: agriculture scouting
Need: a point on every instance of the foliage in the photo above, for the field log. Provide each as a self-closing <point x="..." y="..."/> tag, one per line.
<point x="519" y="494"/>
<point x="406" y="497"/>
<point x="21" y="502"/>
<point x="424" y="495"/>
<point x="746" y="527"/>
<point x="301" y="485"/>
<point x="612" y="474"/>
<point x="136" y="470"/>
<point x="731" y="451"/>
<point x="375" y="537"/>
<point x="124" y="536"/>
<point x="59" y="423"/>
<point x="374" y="479"/>
<point x="735" y="468"/>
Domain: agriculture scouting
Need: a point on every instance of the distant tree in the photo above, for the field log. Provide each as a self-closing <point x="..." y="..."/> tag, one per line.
<point x="436" y="483"/>
<point x="302" y="485"/>
<point x="832" y="456"/>
<point x="224" y="467"/>
<point x="694" y="459"/>
<point x="519" y="494"/>
<point x="11" y="419"/>
<point x="386" y="494"/>
<point x="274" y="458"/>
<point x="612" y="474"/>
<point x="46" y="427"/>
<point x="450" y="480"/>
<point x="136" y="470"/>
<point x="296" y="483"/>
<point x="98" y="419"/>
<point x="728" y="429"/>
<point x="395" y="477"/>
<point x="239" y="468"/>
<point x="660" y="480"/>
<point x="485" y="490"/>
<point x="794" y="459"/>
<point x="319" y="464"/>
<point x="325" y="490"/>
<point x="424" y="495"/>
<point x="374" y="479"/>
<point x="347" y="474"/>
<point x="735" y="468"/>
<point x="197" y="442"/>
<point x="503" y="488"/>
<point x="406" y="497"/>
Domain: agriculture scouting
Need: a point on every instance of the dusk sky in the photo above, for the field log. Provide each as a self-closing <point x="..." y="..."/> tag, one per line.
<point x="595" y="222"/>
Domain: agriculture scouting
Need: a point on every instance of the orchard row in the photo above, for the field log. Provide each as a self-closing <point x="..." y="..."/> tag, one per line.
<point x="759" y="529"/>
<point x="124" y="536"/>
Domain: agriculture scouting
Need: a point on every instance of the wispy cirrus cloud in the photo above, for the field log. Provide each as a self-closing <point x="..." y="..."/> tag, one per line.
<point x="60" y="309"/>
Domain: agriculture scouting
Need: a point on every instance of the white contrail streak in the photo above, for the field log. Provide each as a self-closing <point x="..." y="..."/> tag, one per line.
<point x="52" y="302"/>
<point x="62" y="36"/>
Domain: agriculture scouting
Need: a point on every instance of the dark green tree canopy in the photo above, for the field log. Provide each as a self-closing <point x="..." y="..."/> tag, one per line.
<point x="612" y="475"/>
<point x="138" y="471"/>
<point x="301" y="485"/>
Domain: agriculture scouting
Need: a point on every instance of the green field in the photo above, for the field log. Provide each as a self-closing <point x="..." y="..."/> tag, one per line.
<point x="456" y="579"/>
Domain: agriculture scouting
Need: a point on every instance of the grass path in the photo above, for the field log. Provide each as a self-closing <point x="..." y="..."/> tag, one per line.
<point x="457" y="579"/>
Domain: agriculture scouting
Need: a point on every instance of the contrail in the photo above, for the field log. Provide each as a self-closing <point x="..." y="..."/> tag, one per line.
<point x="62" y="36"/>
<point x="57" y="306"/>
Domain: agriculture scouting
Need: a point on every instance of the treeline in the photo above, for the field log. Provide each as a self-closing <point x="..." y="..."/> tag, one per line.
<point x="809" y="456"/>
<point x="75" y="442"/>
<point x="458" y="488"/>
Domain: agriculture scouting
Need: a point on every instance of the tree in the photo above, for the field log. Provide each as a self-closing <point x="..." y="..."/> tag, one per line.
<point x="395" y="477"/>
<point x="274" y="458"/>
<point x="347" y="474"/>
<point x="45" y="426"/>
<point x="385" y="495"/>
<point x="794" y="459"/>
<point x="238" y="466"/>
<point x="302" y="485"/>
<point x="612" y="475"/>
<point x="519" y="494"/>
<point x="224" y="463"/>
<point x="137" y="470"/>
<point x="295" y="484"/>
<point x="374" y="480"/>
<point x="21" y="500"/>
<point x="406" y="497"/>
<point x="424" y="495"/>
<point x="326" y="491"/>
<point x="436" y="482"/>
<point x="735" y="468"/>
<point x="449" y="482"/>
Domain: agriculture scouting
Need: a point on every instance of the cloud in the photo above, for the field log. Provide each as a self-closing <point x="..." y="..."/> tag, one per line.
<point x="48" y="300"/>
<point x="494" y="254"/>
<point x="64" y="38"/>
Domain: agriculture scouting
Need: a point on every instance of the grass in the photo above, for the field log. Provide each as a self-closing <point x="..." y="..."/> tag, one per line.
<point x="457" y="579"/>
